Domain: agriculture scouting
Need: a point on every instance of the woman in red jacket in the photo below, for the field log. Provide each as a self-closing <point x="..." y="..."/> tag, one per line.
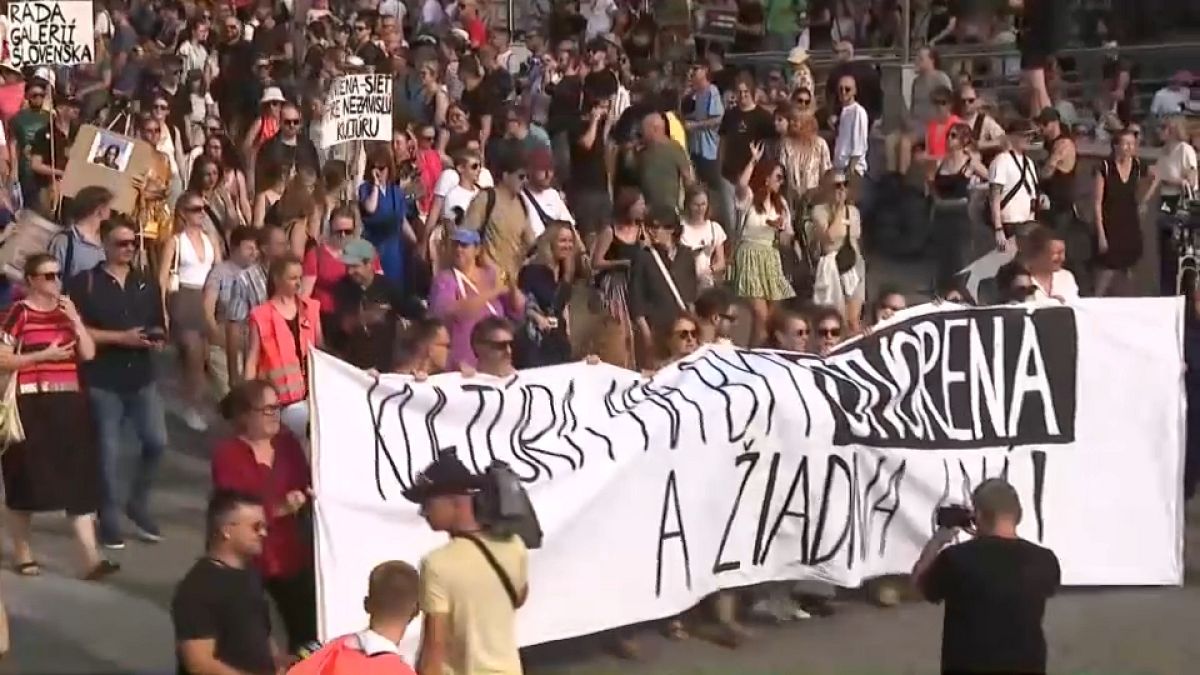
<point x="266" y="460"/>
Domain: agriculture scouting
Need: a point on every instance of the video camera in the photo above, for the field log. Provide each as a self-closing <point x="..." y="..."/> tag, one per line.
<point x="503" y="508"/>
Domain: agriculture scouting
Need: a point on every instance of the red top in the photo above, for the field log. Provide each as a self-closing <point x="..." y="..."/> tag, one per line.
<point x="936" y="134"/>
<point x="27" y="330"/>
<point x="285" y="552"/>
<point x="429" y="163"/>
<point x="476" y="30"/>
<point x="328" y="268"/>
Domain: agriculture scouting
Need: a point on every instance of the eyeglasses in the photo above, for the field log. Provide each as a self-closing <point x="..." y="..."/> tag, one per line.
<point x="803" y="101"/>
<point x="846" y="90"/>
<point x="194" y="208"/>
<point x="829" y="332"/>
<point x="686" y="334"/>
<point x="343" y="233"/>
<point x="46" y="276"/>
<point x="124" y="243"/>
<point x="270" y="410"/>
<point x="473" y="166"/>
<point x="292" y="122"/>
<point x="840" y="185"/>
<point x="731" y="318"/>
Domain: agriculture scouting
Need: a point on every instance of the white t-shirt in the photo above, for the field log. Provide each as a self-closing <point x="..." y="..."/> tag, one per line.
<point x="459" y="197"/>
<point x="1006" y="173"/>
<point x="449" y="180"/>
<point x="599" y="14"/>
<point x="1167" y="101"/>
<point x="1062" y="286"/>
<point x="1173" y="166"/>
<point x="393" y="8"/>
<point x="704" y="239"/>
<point x="551" y="203"/>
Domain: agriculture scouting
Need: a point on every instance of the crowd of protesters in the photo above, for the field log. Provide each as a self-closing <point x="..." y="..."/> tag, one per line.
<point x="569" y="199"/>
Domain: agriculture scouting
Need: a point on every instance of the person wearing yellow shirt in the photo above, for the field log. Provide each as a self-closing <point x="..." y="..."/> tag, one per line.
<point x="472" y="586"/>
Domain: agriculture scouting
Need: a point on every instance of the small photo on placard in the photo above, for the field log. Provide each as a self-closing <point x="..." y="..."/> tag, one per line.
<point x="110" y="151"/>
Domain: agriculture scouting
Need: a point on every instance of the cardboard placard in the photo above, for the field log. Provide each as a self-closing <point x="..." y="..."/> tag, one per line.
<point x="716" y="24"/>
<point x="110" y="160"/>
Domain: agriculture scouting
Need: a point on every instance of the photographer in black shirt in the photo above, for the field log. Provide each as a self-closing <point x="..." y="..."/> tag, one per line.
<point x="995" y="586"/>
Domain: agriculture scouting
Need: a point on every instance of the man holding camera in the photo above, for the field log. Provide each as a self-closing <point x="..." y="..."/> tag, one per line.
<point x="995" y="586"/>
<point x="471" y="587"/>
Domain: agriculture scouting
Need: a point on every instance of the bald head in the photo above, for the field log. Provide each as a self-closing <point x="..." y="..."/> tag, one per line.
<point x="653" y="127"/>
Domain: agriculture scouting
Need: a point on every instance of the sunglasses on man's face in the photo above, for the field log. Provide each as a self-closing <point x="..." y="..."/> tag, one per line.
<point x="499" y="345"/>
<point x="803" y="100"/>
<point x="291" y="122"/>
<point x="840" y="185"/>
<point x="829" y="332"/>
<point x="124" y="243"/>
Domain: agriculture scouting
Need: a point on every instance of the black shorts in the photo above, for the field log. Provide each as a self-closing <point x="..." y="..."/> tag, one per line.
<point x="592" y="208"/>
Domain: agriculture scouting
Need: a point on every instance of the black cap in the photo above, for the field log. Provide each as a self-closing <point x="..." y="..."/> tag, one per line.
<point x="447" y="475"/>
<point x="1047" y="116"/>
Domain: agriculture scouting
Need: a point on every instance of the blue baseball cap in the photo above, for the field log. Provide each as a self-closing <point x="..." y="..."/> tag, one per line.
<point x="358" y="252"/>
<point x="464" y="236"/>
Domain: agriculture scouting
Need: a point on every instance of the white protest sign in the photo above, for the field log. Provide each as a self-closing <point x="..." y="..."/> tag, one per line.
<point x="358" y="108"/>
<point x="734" y="467"/>
<point x="51" y="33"/>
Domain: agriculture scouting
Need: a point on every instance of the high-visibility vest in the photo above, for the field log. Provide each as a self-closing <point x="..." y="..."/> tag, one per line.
<point x="278" y="361"/>
<point x="343" y="656"/>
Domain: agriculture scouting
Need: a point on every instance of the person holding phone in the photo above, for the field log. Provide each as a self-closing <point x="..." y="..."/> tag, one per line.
<point x="42" y="339"/>
<point x="123" y="311"/>
<point x="995" y="585"/>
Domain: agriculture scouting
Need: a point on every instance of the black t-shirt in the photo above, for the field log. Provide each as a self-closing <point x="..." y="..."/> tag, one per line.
<point x="41" y="147"/>
<point x="368" y="343"/>
<point x="225" y="604"/>
<point x="482" y="101"/>
<point x="588" y="168"/>
<point x="740" y="128"/>
<point x="995" y="592"/>
<point x="566" y="100"/>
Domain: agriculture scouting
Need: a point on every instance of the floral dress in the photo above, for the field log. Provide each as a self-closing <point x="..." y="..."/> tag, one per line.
<point x="757" y="267"/>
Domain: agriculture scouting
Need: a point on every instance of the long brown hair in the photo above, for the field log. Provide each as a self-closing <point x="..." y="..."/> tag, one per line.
<point x="758" y="185"/>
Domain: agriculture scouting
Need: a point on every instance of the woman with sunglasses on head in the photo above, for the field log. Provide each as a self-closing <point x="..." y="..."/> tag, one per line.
<point x="466" y="293"/>
<point x="949" y="183"/>
<point x="185" y="260"/>
<point x="282" y="332"/>
<point x="1117" y="212"/>
<point x="764" y="219"/>
<point x="264" y="459"/>
<point x="384" y="212"/>
<point x="841" y="271"/>
<point x="55" y="468"/>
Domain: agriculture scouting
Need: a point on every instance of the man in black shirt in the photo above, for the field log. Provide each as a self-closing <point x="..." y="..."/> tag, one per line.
<point x="48" y="153"/>
<point x="481" y="103"/>
<point x="995" y="586"/>
<point x="289" y="148"/>
<point x="122" y="309"/>
<point x="369" y="308"/>
<point x="743" y="125"/>
<point x="222" y="621"/>
<point x="588" y="188"/>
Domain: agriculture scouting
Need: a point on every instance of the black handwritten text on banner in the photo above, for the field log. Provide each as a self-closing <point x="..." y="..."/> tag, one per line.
<point x="51" y="33"/>
<point x="358" y="108"/>
<point x="735" y="467"/>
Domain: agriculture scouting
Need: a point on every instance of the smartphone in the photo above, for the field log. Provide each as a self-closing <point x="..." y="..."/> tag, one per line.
<point x="552" y="322"/>
<point x="155" y="334"/>
<point x="955" y="515"/>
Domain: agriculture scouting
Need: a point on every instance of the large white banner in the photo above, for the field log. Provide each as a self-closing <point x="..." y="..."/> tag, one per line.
<point x="58" y="33"/>
<point x="358" y="108"/>
<point x="735" y="467"/>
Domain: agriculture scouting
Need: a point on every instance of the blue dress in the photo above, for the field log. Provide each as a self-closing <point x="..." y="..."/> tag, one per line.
<point x="383" y="228"/>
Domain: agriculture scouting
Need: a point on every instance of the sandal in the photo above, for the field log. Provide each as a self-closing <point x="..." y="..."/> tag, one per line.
<point x="29" y="569"/>
<point x="674" y="630"/>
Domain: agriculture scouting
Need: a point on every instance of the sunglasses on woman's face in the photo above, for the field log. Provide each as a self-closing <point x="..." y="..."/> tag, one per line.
<point x="686" y="334"/>
<point x="803" y="100"/>
<point x="47" y="276"/>
<point x="829" y="332"/>
<point x="343" y="233"/>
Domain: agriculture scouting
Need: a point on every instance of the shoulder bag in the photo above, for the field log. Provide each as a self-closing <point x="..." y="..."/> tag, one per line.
<point x="509" y="588"/>
<point x="12" y="431"/>
<point x="846" y="257"/>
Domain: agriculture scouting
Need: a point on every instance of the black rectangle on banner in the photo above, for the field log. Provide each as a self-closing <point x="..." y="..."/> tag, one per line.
<point x="1002" y="376"/>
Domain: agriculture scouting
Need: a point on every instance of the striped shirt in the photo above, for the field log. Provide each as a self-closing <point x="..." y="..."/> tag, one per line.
<point x="28" y="330"/>
<point x="249" y="290"/>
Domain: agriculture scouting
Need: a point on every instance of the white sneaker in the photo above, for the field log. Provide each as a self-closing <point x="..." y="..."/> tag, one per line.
<point x="796" y="612"/>
<point x="766" y="610"/>
<point x="194" y="419"/>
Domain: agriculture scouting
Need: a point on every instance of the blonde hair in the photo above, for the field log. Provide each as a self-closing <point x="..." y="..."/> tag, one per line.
<point x="543" y="253"/>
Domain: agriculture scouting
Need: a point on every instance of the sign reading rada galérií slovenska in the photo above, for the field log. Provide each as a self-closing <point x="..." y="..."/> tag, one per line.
<point x="51" y="33"/>
<point x="734" y="467"/>
<point x="358" y="108"/>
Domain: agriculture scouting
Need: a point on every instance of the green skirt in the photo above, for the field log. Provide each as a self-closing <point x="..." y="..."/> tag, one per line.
<point x="758" y="273"/>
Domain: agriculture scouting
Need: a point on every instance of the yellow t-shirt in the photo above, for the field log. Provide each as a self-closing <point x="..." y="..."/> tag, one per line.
<point x="458" y="582"/>
<point x="676" y="130"/>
